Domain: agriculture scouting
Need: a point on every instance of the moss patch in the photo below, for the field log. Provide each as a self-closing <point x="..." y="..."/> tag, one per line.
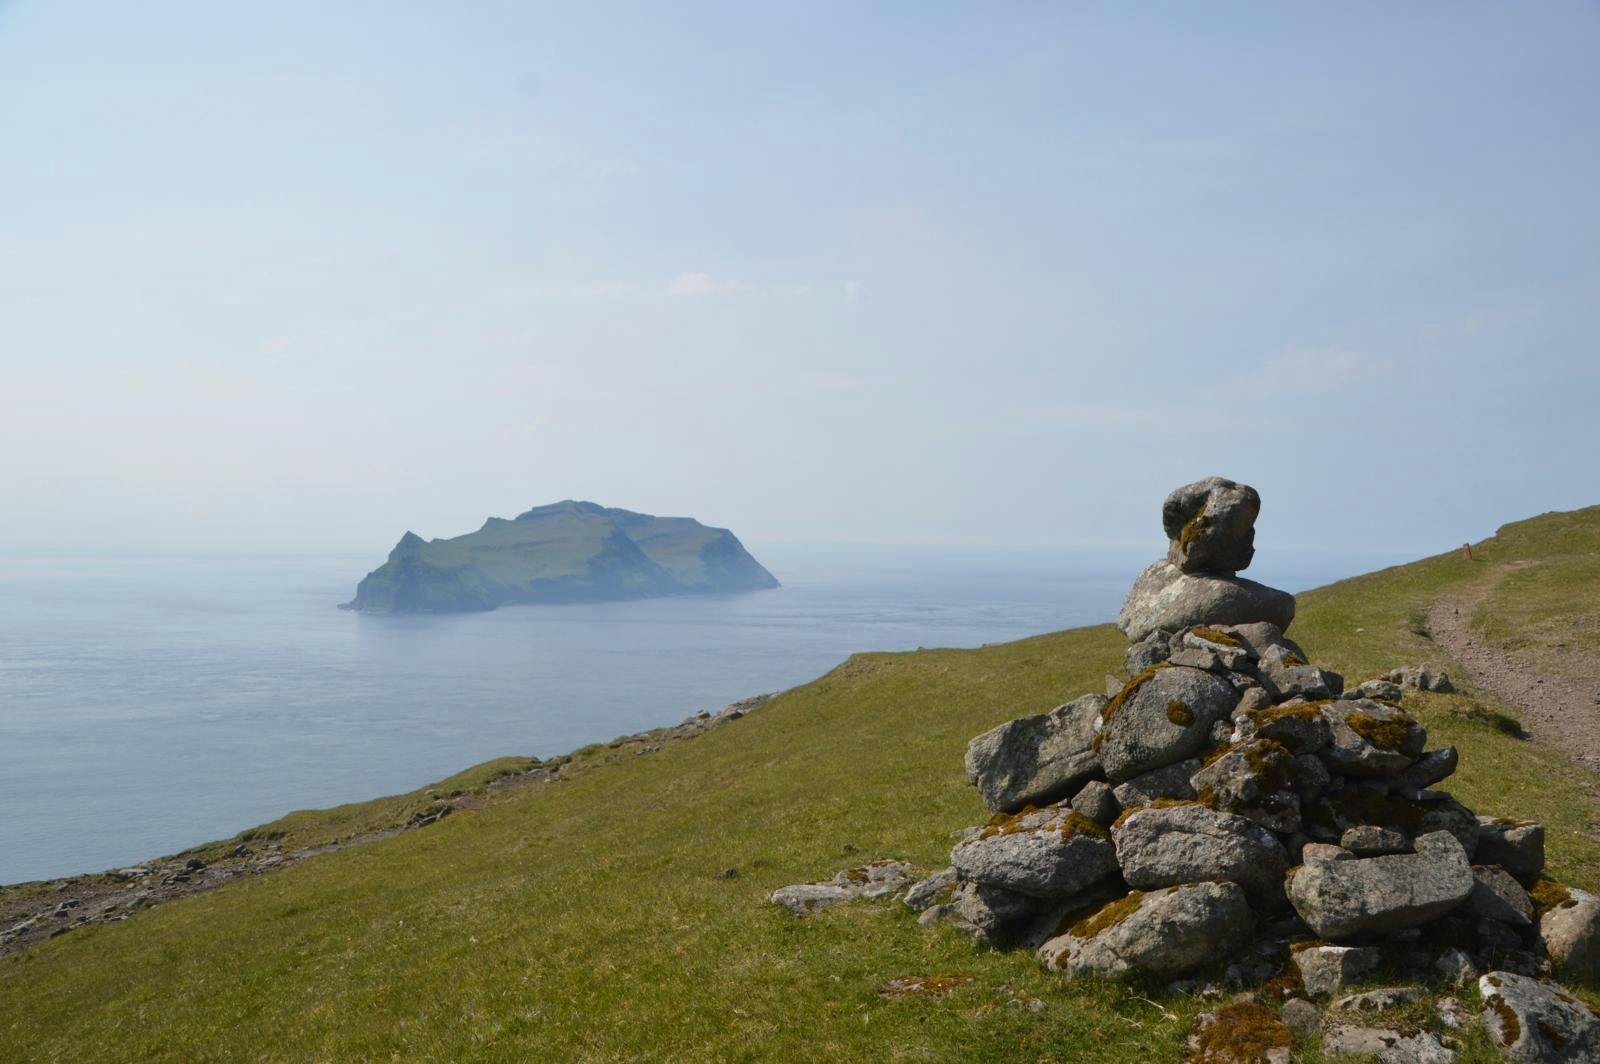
<point x="1211" y="635"/>
<point x="1179" y="713"/>
<point x="1243" y="1033"/>
<point x="1130" y="689"/>
<point x="1547" y="894"/>
<point x="931" y="986"/>
<point x="1385" y="734"/>
<point x="1510" y="1029"/>
<point x="1108" y="915"/>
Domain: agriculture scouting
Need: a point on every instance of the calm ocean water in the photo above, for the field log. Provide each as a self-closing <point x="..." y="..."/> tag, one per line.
<point x="148" y="704"/>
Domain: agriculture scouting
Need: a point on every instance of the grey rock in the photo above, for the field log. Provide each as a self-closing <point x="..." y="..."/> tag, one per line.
<point x="1324" y="970"/>
<point x="1287" y="675"/>
<point x="803" y="899"/>
<point x="1322" y="851"/>
<point x="1211" y="525"/>
<point x="1049" y="853"/>
<point x="1370" y="840"/>
<point x="1194" y="658"/>
<point x="1532" y="1021"/>
<point x="1165" y="932"/>
<point x="1300" y="728"/>
<point x="1455" y="967"/>
<point x="1496" y="896"/>
<point x="997" y="914"/>
<point x="1253" y="699"/>
<point x="876" y="880"/>
<point x="1162" y="847"/>
<point x="933" y="890"/>
<point x="1387" y="1046"/>
<point x="1231" y="652"/>
<point x="1381" y="999"/>
<point x="1161" y="718"/>
<point x="1097" y="802"/>
<point x="1372" y="739"/>
<point x="1421" y="678"/>
<point x="1153" y="649"/>
<point x="1375" y="689"/>
<point x="1165" y="597"/>
<point x="1172" y="781"/>
<point x="1515" y="845"/>
<point x="1037" y="759"/>
<point x="1441" y="812"/>
<point x="1339" y="899"/>
<point x="1301" y="1017"/>
<point x="1260" y="636"/>
<point x="1570" y="930"/>
<point x="1113" y="685"/>
<point x="1452" y="1013"/>
<point x="936" y="914"/>
<point x="1253" y="779"/>
<point x="1311" y="778"/>
<point x="1427" y="770"/>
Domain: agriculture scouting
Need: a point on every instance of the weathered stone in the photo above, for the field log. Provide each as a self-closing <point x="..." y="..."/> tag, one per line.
<point x="1515" y="845"/>
<point x="1496" y="896"/>
<point x="1427" y="770"/>
<point x="1370" y="840"/>
<point x="1259" y="636"/>
<point x="1532" y="1021"/>
<point x="1163" y="932"/>
<point x="868" y="881"/>
<point x="1233" y="653"/>
<point x="1161" y="847"/>
<point x="1372" y="739"/>
<point x="1171" y="781"/>
<point x="1322" y="851"/>
<point x="1324" y="970"/>
<point x="1151" y="650"/>
<point x="1253" y="779"/>
<point x="1455" y="967"/>
<point x="1301" y="1017"/>
<point x="1570" y="930"/>
<point x="1298" y="727"/>
<point x="1387" y="1046"/>
<point x="1375" y="689"/>
<point x="998" y="914"/>
<point x="1038" y="759"/>
<point x="1287" y="675"/>
<point x="1166" y="597"/>
<point x="1047" y="853"/>
<point x="1211" y="525"/>
<point x="1311" y="778"/>
<point x="1195" y="658"/>
<point x="1252" y="699"/>
<point x="1161" y="717"/>
<point x="1340" y="899"/>
<point x="1421" y="678"/>
<point x="935" y="889"/>
<point x="1113" y="684"/>
<point x="803" y="899"/>
<point x="1097" y="802"/>
<point x="935" y="914"/>
<point x="1381" y="999"/>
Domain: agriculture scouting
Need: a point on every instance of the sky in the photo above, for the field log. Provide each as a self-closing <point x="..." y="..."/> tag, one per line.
<point x="302" y="276"/>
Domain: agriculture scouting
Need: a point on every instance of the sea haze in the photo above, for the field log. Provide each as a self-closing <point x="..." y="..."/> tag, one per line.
<point x="149" y="704"/>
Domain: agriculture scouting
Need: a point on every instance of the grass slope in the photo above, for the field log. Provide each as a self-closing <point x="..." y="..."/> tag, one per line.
<point x="587" y="920"/>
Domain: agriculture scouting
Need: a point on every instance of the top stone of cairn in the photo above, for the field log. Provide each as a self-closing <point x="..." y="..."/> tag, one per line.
<point x="1211" y="525"/>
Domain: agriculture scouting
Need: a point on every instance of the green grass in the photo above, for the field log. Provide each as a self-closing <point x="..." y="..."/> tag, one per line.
<point x="587" y="919"/>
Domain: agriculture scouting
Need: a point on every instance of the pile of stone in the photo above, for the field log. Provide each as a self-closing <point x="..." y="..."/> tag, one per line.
<point x="1231" y="801"/>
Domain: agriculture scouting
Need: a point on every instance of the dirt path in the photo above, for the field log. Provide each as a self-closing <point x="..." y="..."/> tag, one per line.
<point x="1557" y="710"/>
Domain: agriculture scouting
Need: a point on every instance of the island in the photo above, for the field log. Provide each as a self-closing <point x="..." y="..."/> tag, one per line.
<point x="566" y="552"/>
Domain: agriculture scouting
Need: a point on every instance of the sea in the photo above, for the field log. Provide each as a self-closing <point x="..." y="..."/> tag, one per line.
<point x="152" y="703"/>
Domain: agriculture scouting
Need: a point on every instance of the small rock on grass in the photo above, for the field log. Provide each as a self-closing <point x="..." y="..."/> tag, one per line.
<point x="1241" y="1033"/>
<point x="1326" y="969"/>
<point x="1390" y="1047"/>
<point x="1538" y="1022"/>
<point x="1379" y="1000"/>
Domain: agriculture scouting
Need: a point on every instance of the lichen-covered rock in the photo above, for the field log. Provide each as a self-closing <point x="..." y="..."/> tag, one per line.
<point x="1254" y="779"/>
<point x="1164" y="715"/>
<point x="1211" y="526"/>
<point x="1165" y="597"/>
<point x="1515" y="845"/>
<point x="1038" y="759"/>
<point x="1287" y="675"/>
<point x="1341" y="899"/>
<point x="934" y="890"/>
<point x="1381" y="999"/>
<point x="1260" y="636"/>
<point x="1381" y="689"/>
<point x="1162" y="932"/>
<point x="1425" y="771"/>
<point x="1538" y="1022"/>
<point x="1372" y="739"/>
<point x="876" y="880"/>
<point x="1570" y="930"/>
<point x="1420" y="678"/>
<point x="1410" y="1046"/>
<point x="1046" y="853"/>
<point x="1370" y="840"/>
<point x="1496" y="896"/>
<point x="1299" y="727"/>
<point x="1153" y="649"/>
<point x="1325" y="970"/>
<point x="1166" y="846"/>
<point x="1097" y="802"/>
<point x="1170" y="781"/>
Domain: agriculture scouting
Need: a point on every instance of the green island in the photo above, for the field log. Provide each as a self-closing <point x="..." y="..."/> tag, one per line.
<point x="618" y="911"/>
<point x="566" y="552"/>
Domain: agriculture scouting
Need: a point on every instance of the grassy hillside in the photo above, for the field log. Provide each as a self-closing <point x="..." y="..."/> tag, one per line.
<point x="588" y="919"/>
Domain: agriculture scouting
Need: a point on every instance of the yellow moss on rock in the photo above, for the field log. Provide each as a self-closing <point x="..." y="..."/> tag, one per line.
<point x="1179" y="713"/>
<point x="1131" y="688"/>
<point x="1212" y="635"/>
<point x="1547" y="894"/>
<point x="1242" y="1033"/>
<point x="1155" y="803"/>
<point x="1385" y="734"/>
<point x="1108" y="915"/>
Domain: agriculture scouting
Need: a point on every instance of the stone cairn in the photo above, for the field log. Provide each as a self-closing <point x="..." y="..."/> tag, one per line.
<point x="1232" y="802"/>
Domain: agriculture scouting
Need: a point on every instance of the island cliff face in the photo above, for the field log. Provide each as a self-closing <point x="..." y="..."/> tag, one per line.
<point x="566" y="552"/>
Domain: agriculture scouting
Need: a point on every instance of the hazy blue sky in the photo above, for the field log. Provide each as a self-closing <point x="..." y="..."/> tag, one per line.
<point x="301" y="276"/>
